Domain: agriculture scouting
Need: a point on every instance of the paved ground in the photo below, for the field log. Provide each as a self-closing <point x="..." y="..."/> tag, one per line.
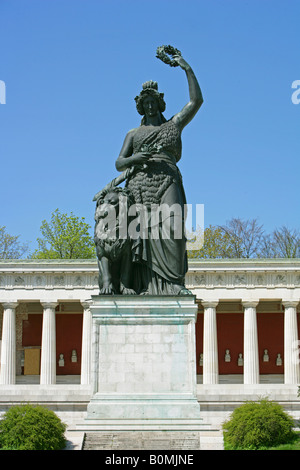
<point x="74" y="440"/>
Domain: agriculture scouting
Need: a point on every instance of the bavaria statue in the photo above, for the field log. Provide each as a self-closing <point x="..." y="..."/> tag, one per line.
<point x="140" y="228"/>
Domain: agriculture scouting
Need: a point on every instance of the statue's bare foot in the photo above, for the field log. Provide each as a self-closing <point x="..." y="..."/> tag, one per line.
<point x="126" y="290"/>
<point x="144" y="292"/>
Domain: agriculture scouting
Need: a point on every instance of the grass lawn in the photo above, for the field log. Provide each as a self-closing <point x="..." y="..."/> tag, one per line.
<point x="294" y="445"/>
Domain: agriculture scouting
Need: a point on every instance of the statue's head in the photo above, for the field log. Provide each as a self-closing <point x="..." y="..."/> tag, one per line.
<point x="150" y="89"/>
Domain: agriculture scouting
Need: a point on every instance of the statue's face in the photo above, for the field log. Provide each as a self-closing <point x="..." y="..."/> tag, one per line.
<point x="150" y="105"/>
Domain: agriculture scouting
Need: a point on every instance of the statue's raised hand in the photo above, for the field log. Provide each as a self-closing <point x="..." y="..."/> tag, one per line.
<point x="167" y="54"/>
<point x="181" y="62"/>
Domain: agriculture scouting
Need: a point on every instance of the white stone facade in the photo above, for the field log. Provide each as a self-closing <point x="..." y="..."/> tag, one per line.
<point x="249" y="282"/>
<point x="213" y="282"/>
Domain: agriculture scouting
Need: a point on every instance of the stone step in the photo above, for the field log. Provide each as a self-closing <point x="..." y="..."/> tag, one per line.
<point x="153" y="440"/>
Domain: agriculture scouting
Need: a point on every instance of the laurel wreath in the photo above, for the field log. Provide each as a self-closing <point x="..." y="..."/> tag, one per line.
<point x="163" y="53"/>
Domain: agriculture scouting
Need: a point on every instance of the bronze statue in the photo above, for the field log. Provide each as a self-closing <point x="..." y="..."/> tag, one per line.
<point x="112" y="247"/>
<point x="148" y="164"/>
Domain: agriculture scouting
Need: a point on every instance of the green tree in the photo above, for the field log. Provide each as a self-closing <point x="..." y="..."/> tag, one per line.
<point x="216" y="244"/>
<point x="65" y="237"/>
<point x="245" y="237"/>
<point x="238" y="238"/>
<point x="258" y="425"/>
<point x="286" y="242"/>
<point x="10" y="247"/>
<point x="31" y="427"/>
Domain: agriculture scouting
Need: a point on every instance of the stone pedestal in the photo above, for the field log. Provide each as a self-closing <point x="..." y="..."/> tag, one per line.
<point x="143" y="364"/>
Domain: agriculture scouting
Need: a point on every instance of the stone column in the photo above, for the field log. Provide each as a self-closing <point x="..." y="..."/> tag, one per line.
<point x="8" y="349"/>
<point x="86" y="348"/>
<point x="251" y="358"/>
<point x="210" y="344"/>
<point x="48" y="356"/>
<point x="291" y="346"/>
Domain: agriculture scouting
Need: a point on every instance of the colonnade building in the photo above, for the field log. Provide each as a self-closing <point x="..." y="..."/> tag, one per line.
<point x="247" y="332"/>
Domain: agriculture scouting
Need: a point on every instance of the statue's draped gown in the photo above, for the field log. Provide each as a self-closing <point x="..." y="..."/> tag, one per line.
<point x="160" y="260"/>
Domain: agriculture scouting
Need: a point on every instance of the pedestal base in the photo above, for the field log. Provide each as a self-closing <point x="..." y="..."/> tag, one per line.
<point x="144" y="364"/>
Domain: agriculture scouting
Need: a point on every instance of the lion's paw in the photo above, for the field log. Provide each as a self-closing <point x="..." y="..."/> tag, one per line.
<point x="107" y="290"/>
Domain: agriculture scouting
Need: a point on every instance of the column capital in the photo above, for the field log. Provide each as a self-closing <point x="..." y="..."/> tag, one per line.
<point x="290" y="303"/>
<point x="49" y="304"/>
<point x="86" y="303"/>
<point x="10" y="304"/>
<point x="209" y="303"/>
<point x="250" y="303"/>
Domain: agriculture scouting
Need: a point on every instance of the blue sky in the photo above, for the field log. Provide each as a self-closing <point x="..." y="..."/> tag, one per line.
<point x="73" y="67"/>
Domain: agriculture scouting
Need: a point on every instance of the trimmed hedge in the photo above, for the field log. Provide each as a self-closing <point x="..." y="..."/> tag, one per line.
<point x="29" y="427"/>
<point x="258" y="425"/>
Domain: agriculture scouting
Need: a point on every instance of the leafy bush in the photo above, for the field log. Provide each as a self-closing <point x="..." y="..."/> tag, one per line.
<point x="258" y="425"/>
<point x="28" y="427"/>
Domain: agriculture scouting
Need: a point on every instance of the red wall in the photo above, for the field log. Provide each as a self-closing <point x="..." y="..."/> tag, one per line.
<point x="230" y="333"/>
<point x="270" y="337"/>
<point x="199" y="341"/>
<point x="68" y="337"/>
<point x="32" y="330"/>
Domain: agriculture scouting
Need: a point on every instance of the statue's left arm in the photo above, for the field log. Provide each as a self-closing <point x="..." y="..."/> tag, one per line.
<point x="190" y="109"/>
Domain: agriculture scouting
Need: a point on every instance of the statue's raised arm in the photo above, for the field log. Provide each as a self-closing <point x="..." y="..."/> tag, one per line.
<point x="190" y="109"/>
